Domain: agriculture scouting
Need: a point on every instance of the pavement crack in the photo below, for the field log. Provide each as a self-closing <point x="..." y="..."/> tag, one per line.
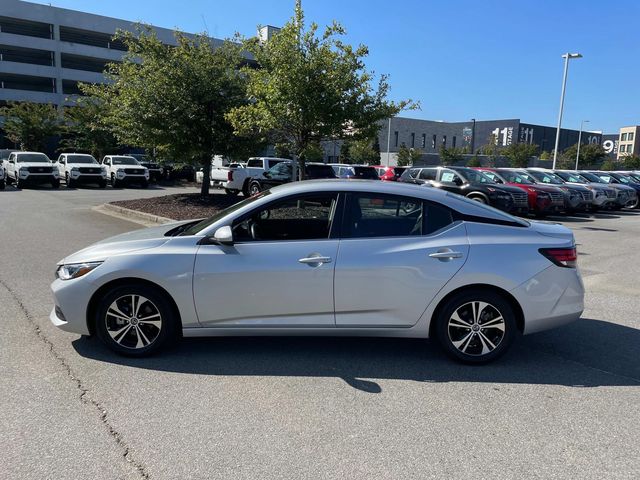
<point x="84" y="396"/>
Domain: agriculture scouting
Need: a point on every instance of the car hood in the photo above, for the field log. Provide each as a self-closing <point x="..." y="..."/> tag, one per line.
<point x="504" y="188"/>
<point x="90" y="165"/>
<point x="33" y="164"/>
<point x="550" y="229"/>
<point x="125" y="243"/>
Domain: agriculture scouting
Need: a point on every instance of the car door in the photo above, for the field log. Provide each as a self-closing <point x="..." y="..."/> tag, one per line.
<point x="11" y="166"/>
<point x="279" y="270"/>
<point x="450" y="181"/>
<point x="395" y="255"/>
<point x="60" y="165"/>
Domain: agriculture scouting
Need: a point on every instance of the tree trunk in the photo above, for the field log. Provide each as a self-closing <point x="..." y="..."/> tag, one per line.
<point x="206" y="176"/>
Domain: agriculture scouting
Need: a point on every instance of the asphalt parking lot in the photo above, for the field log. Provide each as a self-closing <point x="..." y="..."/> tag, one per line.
<point x="561" y="404"/>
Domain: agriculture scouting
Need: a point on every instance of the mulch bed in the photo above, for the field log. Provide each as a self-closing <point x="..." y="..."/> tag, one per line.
<point x="181" y="206"/>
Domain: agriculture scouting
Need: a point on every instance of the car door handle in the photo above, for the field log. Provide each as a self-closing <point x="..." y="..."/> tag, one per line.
<point x="445" y="254"/>
<point x="315" y="260"/>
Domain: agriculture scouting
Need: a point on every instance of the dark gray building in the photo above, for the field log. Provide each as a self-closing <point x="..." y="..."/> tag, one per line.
<point x="429" y="136"/>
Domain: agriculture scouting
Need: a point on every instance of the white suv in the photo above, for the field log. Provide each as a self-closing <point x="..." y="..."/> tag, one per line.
<point x="78" y="168"/>
<point x="125" y="170"/>
<point x="31" y="168"/>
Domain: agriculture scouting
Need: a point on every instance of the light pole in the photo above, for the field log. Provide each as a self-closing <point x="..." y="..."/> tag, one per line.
<point x="388" y="140"/>
<point x="473" y="136"/>
<point x="579" y="141"/>
<point x="567" y="57"/>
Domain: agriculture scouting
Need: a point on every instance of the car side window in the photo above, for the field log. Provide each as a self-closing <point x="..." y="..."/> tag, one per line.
<point x="254" y="163"/>
<point x="306" y="217"/>
<point x="380" y="215"/>
<point x="447" y="176"/>
<point x="428" y="174"/>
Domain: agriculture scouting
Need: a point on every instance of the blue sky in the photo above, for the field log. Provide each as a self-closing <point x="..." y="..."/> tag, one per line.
<point x="486" y="59"/>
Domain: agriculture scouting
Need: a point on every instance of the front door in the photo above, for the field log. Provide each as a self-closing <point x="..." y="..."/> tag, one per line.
<point x="395" y="256"/>
<point x="278" y="272"/>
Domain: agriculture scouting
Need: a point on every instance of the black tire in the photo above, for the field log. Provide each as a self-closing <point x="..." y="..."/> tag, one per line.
<point x="55" y="184"/>
<point x="254" y="189"/>
<point x="231" y="192"/>
<point x="474" y="344"/>
<point x="122" y="336"/>
<point x="2" y="184"/>
<point x="114" y="182"/>
<point x="68" y="181"/>
<point x="145" y="184"/>
<point x="245" y="188"/>
<point x="102" y="184"/>
<point x="20" y="183"/>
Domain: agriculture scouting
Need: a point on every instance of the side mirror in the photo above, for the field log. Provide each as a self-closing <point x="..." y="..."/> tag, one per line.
<point x="223" y="236"/>
<point x="265" y="174"/>
<point x="457" y="181"/>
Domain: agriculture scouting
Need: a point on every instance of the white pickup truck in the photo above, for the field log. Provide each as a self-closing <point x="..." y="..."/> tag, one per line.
<point x="31" y="168"/>
<point x="236" y="180"/>
<point x="124" y="170"/>
<point x="78" y="168"/>
<point x="2" y="180"/>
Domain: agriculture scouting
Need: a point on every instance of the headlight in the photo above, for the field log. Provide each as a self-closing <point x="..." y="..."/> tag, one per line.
<point x="75" y="270"/>
<point x="74" y="169"/>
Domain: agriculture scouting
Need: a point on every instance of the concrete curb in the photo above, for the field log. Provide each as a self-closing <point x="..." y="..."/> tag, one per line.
<point x="132" y="215"/>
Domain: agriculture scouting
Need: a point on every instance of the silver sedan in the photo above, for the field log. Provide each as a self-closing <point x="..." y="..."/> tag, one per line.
<point x="328" y="257"/>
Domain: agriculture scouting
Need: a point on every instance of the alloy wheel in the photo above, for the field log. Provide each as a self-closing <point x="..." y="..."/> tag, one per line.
<point x="133" y="321"/>
<point x="476" y="328"/>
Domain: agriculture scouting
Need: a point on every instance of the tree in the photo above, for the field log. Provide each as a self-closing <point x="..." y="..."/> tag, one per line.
<point x="282" y="150"/>
<point x="345" y="155"/>
<point x="631" y="162"/>
<point x="86" y="129"/>
<point x="545" y="155"/>
<point x="175" y="98"/>
<point x="609" y="165"/>
<point x="519" y="154"/>
<point x="30" y="125"/>
<point x="362" y="151"/>
<point x="590" y="154"/>
<point x="491" y="149"/>
<point x="452" y="155"/>
<point x="474" y="161"/>
<point x="313" y="153"/>
<point x="309" y="87"/>
<point x="408" y="156"/>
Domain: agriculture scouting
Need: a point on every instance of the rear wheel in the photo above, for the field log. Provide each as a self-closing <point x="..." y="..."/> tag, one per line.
<point x="254" y="188"/>
<point x="135" y="320"/>
<point x="476" y="326"/>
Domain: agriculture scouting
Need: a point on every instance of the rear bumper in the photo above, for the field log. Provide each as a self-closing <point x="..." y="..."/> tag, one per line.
<point x="551" y="298"/>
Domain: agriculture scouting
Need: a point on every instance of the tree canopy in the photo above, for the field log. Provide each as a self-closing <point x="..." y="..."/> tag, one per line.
<point x="30" y="125"/>
<point x="408" y="156"/>
<point x="519" y="154"/>
<point x="310" y="86"/>
<point x="86" y="130"/>
<point x="175" y="98"/>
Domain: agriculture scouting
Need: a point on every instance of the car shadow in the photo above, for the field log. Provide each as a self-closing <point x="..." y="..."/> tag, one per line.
<point x="587" y="353"/>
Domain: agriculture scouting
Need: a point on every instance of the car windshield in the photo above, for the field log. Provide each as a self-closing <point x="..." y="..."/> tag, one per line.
<point x="514" y="177"/>
<point x="570" y="177"/>
<point x="590" y="177"/>
<point x="80" y="159"/>
<point x="124" y="161"/>
<point x="207" y="222"/>
<point x="606" y="178"/>
<point x="474" y="176"/>
<point x="621" y="178"/>
<point x="32" y="158"/>
<point x="546" y="177"/>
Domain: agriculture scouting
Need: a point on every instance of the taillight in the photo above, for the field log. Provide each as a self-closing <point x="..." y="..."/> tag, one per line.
<point x="562" y="257"/>
<point x="230" y="175"/>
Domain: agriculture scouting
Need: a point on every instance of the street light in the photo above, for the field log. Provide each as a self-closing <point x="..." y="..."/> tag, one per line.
<point x="567" y="57"/>
<point x="579" y="141"/>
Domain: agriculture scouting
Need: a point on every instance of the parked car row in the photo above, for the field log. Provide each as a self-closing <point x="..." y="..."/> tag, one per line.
<point x="534" y="191"/>
<point x="35" y="168"/>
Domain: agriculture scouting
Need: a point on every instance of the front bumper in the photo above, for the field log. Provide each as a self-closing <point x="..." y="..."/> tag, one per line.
<point x="88" y="178"/>
<point x="39" y="178"/>
<point x="71" y="301"/>
<point x="133" y="179"/>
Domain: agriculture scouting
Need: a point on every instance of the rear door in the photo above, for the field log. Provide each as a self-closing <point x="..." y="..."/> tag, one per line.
<point x="395" y="255"/>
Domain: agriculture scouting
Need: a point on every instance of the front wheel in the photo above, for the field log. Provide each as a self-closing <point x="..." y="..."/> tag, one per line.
<point x="145" y="184"/>
<point x="135" y="320"/>
<point x="476" y="326"/>
<point x="2" y="184"/>
<point x="55" y="184"/>
<point x="478" y="198"/>
<point x="103" y="184"/>
<point x="114" y="182"/>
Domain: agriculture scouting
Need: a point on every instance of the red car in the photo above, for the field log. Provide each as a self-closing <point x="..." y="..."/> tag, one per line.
<point x="543" y="199"/>
<point x="391" y="174"/>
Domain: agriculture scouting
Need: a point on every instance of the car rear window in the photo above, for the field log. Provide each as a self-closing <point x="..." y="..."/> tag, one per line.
<point x="320" y="171"/>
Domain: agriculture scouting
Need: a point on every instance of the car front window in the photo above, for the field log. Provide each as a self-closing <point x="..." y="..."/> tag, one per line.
<point x="303" y="217"/>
